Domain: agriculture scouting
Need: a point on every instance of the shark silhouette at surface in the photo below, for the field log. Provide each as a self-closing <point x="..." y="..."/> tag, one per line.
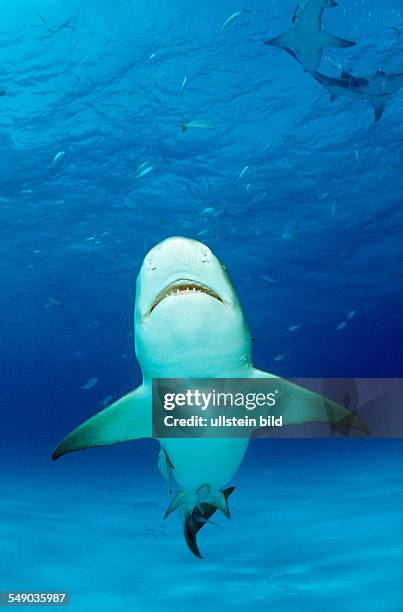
<point x="377" y="89"/>
<point x="305" y="40"/>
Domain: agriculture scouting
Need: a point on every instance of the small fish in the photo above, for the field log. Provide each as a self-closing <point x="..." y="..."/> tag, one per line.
<point x="53" y="302"/>
<point x="207" y="212"/>
<point x="351" y="314"/>
<point x="41" y="18"/>
<point x="184" y="82"/>
<point x="202" y="124"/>
<point x="58" y="158"/>
<point x="333" y="209"/>
<point x="259" y="197"/>
<point x="144" y="168"/>
<point x="293" y="328"/>
<point x="268" y="279"/>
<point x="289" y="233"/>
<point x="341" y="325"/>
<point x="230" y="19"/>
<point x="152" y="56"/>
<point x="89" y="384"/>
<point x="243" y="172"/>
<point x="279" y="356"/>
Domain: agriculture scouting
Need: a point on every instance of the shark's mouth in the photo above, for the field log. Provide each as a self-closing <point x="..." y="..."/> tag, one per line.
<point x="183" y="287"/>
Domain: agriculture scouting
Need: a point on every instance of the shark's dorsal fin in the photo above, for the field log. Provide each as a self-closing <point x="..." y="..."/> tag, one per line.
<point x="129" y="418"/>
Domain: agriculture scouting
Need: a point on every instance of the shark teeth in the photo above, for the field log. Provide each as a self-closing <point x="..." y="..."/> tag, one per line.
<point x="183" y="287"/>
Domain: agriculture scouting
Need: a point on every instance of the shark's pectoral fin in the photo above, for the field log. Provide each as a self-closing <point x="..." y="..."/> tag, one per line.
<point x="330" y="40"/>
<point x="298" y="405"/>
<point x="129" y="418"/>
<point x="283" y="41"/>
<point x="379" y="106"/>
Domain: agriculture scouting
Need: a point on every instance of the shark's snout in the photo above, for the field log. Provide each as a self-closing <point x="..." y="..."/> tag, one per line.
<point x="182" y="267"/>
<point x="177" y="251"/>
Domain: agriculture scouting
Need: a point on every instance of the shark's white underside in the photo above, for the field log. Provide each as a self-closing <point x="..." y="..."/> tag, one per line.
<point x="189" y="324"/>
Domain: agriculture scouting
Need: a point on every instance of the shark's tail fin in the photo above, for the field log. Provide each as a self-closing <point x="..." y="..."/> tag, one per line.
<point x="199" y="516"/>
<point x="197" y="509"/>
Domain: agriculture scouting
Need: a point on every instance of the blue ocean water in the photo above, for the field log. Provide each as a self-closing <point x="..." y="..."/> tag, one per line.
<point x="302" y="200"/>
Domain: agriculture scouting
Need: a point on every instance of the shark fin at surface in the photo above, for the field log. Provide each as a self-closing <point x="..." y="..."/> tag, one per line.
<point x="330" y="40"/>
<point x="299" y="405"/>
<point x="379" y="106"/>
<point x="196" y="519"/>
<point x="129" y="418"/>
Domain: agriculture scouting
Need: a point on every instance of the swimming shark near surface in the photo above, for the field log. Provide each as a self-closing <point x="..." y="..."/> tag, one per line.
<point x="189" y="324"/>
<point x="377" y="89"/>
<point x="305" y="40"/>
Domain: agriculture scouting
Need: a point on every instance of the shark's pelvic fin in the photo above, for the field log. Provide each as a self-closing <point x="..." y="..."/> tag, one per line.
<point x="129" y="418"/>
<point x="219" y="501"/>
<point x="182" y="498"/>
<point x="198" y="517"/>
<point x="330" y="40"/>
<point x="298" y="406"/>
<point x="379" y="104"/>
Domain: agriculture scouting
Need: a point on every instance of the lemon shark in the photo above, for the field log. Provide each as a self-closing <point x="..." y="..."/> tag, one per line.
<point x="305" y="40"/>
<point x="189" y="323"/>
<point x="377" y="89"/>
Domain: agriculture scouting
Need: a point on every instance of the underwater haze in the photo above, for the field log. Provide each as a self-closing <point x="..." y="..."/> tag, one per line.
<point x="300" y="197"/>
